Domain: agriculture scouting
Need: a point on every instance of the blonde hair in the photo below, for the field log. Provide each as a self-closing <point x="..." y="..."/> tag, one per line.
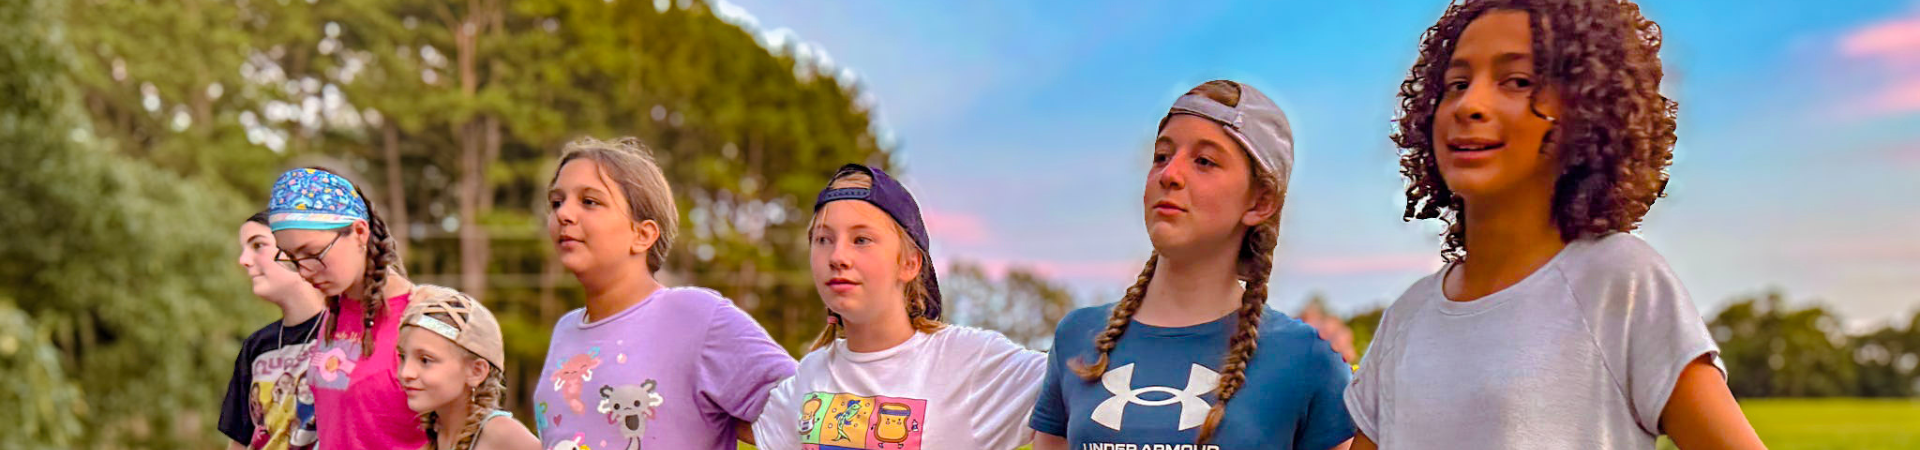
<point x="486" y="400"/>
<point x="917" y="294"/>
<point x="630" y="165"/>
<point x="1255" y="266"/>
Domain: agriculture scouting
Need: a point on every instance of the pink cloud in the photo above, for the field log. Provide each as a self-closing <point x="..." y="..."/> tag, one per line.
<point x="956" y="228"/>
<point x="1894" y="46"/>
<point x="1352" y="265"/>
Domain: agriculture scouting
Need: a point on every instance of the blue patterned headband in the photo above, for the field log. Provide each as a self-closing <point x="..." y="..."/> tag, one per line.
<point x="311" y="199"/>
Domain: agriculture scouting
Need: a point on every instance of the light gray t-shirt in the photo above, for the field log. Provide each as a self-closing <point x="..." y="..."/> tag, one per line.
<point x="1583" y="353"/>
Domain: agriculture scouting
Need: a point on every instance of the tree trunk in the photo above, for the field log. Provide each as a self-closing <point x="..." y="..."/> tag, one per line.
<point x="396" y="190"/>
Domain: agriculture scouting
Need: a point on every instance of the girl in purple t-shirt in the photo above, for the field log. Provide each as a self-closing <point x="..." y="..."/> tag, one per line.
<point x="642" y="365"/>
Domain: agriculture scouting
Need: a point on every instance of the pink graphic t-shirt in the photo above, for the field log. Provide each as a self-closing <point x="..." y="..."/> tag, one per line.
<point x="358" y="401"/>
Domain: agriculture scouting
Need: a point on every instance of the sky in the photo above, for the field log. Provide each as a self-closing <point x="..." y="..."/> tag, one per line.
<point x="1024" y="129"/>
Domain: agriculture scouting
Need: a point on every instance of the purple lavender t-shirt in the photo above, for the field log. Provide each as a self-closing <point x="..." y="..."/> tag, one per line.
<point x="672" y="372"/>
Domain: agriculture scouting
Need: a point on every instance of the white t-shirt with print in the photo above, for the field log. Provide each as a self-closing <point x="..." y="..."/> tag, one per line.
<point x="956" y="388"/>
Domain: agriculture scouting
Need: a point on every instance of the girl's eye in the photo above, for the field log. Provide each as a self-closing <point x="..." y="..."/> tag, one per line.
<point x="1520" y="82"/>
<point x="555" y="204"/>
<point x="820" y="240"/>
<point x="589" y="202"/>
<point x="1456" y="86"/>
<point x="862" y="240"/>
<point x="1206" y="162"/>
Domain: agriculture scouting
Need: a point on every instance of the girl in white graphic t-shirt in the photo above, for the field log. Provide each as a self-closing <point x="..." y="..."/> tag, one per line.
<point x="886" y="373"/>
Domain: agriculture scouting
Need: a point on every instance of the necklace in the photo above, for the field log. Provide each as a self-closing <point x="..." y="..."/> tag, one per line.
<point x="282" y="337"/>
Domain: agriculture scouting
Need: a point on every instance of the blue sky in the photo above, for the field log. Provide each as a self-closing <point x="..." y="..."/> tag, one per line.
<point x="1024" y="130"/>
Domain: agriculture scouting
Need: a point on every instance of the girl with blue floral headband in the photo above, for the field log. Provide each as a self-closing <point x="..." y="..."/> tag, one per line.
<point x="333" y="237"/>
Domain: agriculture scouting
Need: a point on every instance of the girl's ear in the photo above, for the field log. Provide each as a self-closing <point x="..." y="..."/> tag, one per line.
<point x="1265" y="205"/>
<point x="476" y="372"/>
<point x="645" y="234"/>
<point x="909" y="267"/>
<point x="362" y="232"/>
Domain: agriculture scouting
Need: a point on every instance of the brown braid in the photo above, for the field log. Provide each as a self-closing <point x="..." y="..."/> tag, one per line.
<point x="381" y="257"/>
<point x="1117" y="323"/>
<point x="1256" y="266"/>
<point x="486" y="400"/>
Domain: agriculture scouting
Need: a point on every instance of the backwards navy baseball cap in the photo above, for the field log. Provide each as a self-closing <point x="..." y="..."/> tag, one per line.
<point x="890" y="196"/>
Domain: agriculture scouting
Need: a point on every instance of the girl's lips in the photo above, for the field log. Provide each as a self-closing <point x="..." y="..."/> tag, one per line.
<point x="842" y="285"/>
<point x="1167" y="208"/>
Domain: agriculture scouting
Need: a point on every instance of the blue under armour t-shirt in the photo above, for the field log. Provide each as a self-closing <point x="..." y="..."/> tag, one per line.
<point x="1160" y="384"/>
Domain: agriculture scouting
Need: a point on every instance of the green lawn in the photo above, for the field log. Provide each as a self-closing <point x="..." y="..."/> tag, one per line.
<point x="1853" y="424"/>
<point x="1834" y="423"/>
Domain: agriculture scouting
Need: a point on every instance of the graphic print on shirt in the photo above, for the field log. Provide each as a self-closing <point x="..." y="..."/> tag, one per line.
<point x="333" y="363"/>
<point x="279" y="412"/>
<point x="833" y="421"/>
<point x="570" y="378"/>
<point x="628" y="408"/>
<point x="572" y="443"/>
<point x="1119" y="382"/>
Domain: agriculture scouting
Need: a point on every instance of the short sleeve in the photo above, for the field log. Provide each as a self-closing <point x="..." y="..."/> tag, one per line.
<point x="1326" y="423"/>
<point x="1644" y="321"/>
<point x="739" y="363"/>
<point x="236" y="421"/>
<point x="777" y="427"/>
<point x="1050" y="406"/>
<point x="1011" y="376"/>
<point x="1363" y="392"/>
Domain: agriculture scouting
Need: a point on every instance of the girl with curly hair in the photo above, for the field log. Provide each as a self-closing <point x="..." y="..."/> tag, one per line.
<point x="1536" y="131"/>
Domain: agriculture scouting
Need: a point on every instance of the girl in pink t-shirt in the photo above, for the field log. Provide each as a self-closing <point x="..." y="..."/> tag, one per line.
<point x="328" y="231"/>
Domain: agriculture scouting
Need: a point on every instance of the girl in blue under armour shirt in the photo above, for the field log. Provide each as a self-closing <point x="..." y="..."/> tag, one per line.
<point x="1191" y="357"/>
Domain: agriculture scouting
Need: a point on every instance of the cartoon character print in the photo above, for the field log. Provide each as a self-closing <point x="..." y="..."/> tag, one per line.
<point x="573" y="443"/>
<point x="845" y="421"/>
<point x="571" y="377"/>
<point x="304" y="434"/>
<point x="629" y="407"/>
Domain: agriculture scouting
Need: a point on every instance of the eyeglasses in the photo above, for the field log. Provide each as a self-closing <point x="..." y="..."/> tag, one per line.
<point x="313" y="263"/>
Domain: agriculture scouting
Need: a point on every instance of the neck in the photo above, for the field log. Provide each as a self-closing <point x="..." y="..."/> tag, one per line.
<point x="300" y="307"/>
<point x="453" y="416"/>
<point x="881" y="333"/>
<point x="1507" y="240"/>
<point x="614" y="290"/>
<point x="1189" y="290"/>
<point x="396" y="285"/>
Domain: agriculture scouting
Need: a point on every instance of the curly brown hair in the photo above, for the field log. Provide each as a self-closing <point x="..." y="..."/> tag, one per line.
<point x="1615" y="133"/>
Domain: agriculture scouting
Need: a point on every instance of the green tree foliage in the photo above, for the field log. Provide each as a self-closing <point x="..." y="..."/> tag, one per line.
<point x="120" y="268"/>
<point x="1022" y="304"/>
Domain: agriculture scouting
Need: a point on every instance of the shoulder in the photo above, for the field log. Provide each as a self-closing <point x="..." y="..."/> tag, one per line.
<point x="1611" y="257"/>
<point x="692" y="297"/>
<point x="506" y="433"/>
<point x="1287" y="336"/>
<point x="1087" y="318"/>
<point x="1608" y="268"/>
<point x="970" y="340"/>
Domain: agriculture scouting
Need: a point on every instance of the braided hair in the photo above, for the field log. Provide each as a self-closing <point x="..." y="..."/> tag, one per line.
<point x="1254" y="268"/>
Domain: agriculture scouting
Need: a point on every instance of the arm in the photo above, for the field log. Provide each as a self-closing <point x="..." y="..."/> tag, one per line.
<point x="235" y="445"/>
<point x="1044" y="441"/>
<point x="1703" y="414"/>
<point x="1360" y="442"/>
<point x="743" y="430"/>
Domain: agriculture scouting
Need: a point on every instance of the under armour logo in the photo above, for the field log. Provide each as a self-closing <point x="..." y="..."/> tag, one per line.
<point x="1193" y="409"/>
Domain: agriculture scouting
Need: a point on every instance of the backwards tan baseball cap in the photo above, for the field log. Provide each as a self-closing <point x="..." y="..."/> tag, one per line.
<point x="469" y="324"/>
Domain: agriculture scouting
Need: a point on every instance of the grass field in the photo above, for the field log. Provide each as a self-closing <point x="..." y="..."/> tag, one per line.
<point x="1854" y="424"/>
<point x="1834" y="423"/>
